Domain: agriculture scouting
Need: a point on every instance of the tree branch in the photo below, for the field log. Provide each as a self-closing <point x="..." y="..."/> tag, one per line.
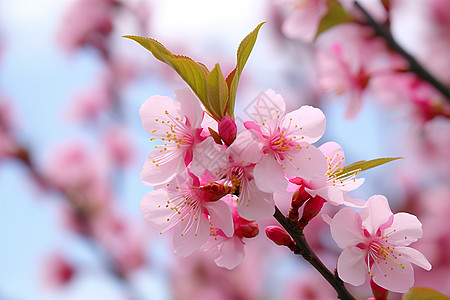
<point x="414" y="65"/>
<point x="308" y="254"/>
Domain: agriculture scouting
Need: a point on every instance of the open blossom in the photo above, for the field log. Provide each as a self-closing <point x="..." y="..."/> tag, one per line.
<point x="178" y="124"/>
<point x="286" y="139"/>
<point x="191" y="208"/>
<point x="375" y="242"/>
<point x="334" y="185"/>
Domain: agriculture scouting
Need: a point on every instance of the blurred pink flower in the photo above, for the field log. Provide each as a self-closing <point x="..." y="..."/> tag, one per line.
<point x="57" y="271"/>
<point x="118" y="146"/>
<point x="375" y="241"/>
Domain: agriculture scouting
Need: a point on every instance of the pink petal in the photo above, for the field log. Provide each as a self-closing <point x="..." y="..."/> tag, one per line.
<point x="152" y="114"/>
<point x="268" y="106"/>
<point x="189" y="107"/>
<point x="190" y="237"/>
<point x="352" y="267"/>
<point x="269" y="175"/>
<point x="376" y="213"/>
<point x="392" y="276"/>
<point x="231" y="253"/>
<point x="353" y="184"/>
<point x="254" y="204"/>
<point x="153" y="208"/>
<point x="221" y="216"/>
<point x="333" y="150"/>
<point x="163" y="165"/>
<point x="307" y="123"/>
<point x="346" y="228"/>
<point x="333" y="195"/>
<point x="414" y="256"/>
<point x="247" y="148"/>
<point x="304" y="21"/>
<point x="405" y="225"/>
<point x="208" y="155"/>
<point x="306" y="162"/>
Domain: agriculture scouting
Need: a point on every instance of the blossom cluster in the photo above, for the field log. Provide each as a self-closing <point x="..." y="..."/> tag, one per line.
<point x="211" y="184"/>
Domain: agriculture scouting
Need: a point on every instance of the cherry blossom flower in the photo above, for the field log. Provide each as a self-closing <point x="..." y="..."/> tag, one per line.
<point x="334" y="185"/>
<point x="229" y="250"/>
<point x="191" y="208"/>
<point x="286" y="139"/>
<point x="304" y="19"/>
<point x="375" y="241"/>
<point x="178" y="124"/>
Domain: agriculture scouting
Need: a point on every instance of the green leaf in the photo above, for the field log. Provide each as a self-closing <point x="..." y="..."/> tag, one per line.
<point x="243" y="52"/>
<point x="362" y="165"/>
<point x="423" y="293"/>
<point x="336" y="15"/>
<point x="217" y="92"/>
<point x="193" y="73"/>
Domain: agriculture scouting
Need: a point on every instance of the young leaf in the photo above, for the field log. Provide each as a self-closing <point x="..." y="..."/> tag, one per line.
<point x="336" y="15"/>
<point x="364" y="165"/>
<point x="243" y="52"/>
<point x="193" y="73"/>
<point x="217" y="92"/>
<point x="423" y="293"/>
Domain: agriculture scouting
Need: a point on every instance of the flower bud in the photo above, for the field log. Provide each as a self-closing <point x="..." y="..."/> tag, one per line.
<point x="379" y="293"/>
<point x="227" y="130"/>
<point x="247" y="229"/>
<point x="311" y="209"/>
<point x="278" y="235"/>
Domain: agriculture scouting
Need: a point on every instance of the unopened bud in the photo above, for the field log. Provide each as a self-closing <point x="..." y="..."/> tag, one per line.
<point x="311" y="209"/>
<point x="278" y="235"/>
<point x="247" y="229"/>
<point x="379" y="293"/>
<point x="298" y="199"/>
<point x="227" y="130"/>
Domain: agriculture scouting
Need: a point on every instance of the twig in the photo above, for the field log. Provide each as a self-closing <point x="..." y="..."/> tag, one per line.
<point x="414" y="65"/>
<point x="308" y="254"/>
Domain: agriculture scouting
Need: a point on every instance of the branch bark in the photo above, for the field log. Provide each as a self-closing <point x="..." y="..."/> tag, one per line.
<point x="414" y="65"/>
<point x="308" y="254"/>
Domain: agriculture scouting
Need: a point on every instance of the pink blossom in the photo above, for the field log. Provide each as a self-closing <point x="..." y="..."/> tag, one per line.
<point x="375" y="241"/>
<point x="57" y="271"/>
<point x="178" y="124"/>
<point x="286" y="139"/>
<point x="334" y="185"/>
<point x="191" y="208"/>
<point x="304" y="19"/>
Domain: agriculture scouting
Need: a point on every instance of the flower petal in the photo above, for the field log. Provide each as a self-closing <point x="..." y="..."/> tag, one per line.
<point x="163" y="165"/>
<point x="231" y="253"/>
<point x="269" y="175"/>
<point x="376" y="213"/>
<point x="247" y="148"/>
<point x="405" y="229"/>
<point x="153" y="207"/>
<point x="308" y="123"/>
<point x="189" y="106"/>
<point x="346" y="228"/>
<point x="191" y="237"/>
<point x="152" y="114"/>
<point x="414" y="256"/>
<point x="392" y="276"/>
<point x="268" y="106"/>
<point x="253" y="203"/>
<point x="208" y="155"/>
<point x="306" y="162"/>
<point x="351" y="266"/>
<point x="221" y="216"/>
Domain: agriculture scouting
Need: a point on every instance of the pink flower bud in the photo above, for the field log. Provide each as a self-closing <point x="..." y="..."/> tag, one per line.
<point x="247" y="229"/>
<point x="311" y="209"/>
<point x="227" y="130"/>
<point x="278" y="235"/>
<point x="379" y="293"/>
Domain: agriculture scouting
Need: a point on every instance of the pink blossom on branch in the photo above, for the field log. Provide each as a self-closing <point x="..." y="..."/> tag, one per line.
<point x="375" y="241"/>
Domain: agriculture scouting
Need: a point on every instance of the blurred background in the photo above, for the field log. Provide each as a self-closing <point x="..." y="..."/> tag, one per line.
<point x="72" y="145"/>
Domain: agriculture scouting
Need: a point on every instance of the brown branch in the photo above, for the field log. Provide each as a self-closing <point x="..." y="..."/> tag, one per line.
<point x="308" y="254"/>
<point x="414" y="65"/>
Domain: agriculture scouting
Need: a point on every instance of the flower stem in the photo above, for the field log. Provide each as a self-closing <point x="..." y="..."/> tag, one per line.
<point x="414" y="65"/>
<point x="308" y="254"/>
